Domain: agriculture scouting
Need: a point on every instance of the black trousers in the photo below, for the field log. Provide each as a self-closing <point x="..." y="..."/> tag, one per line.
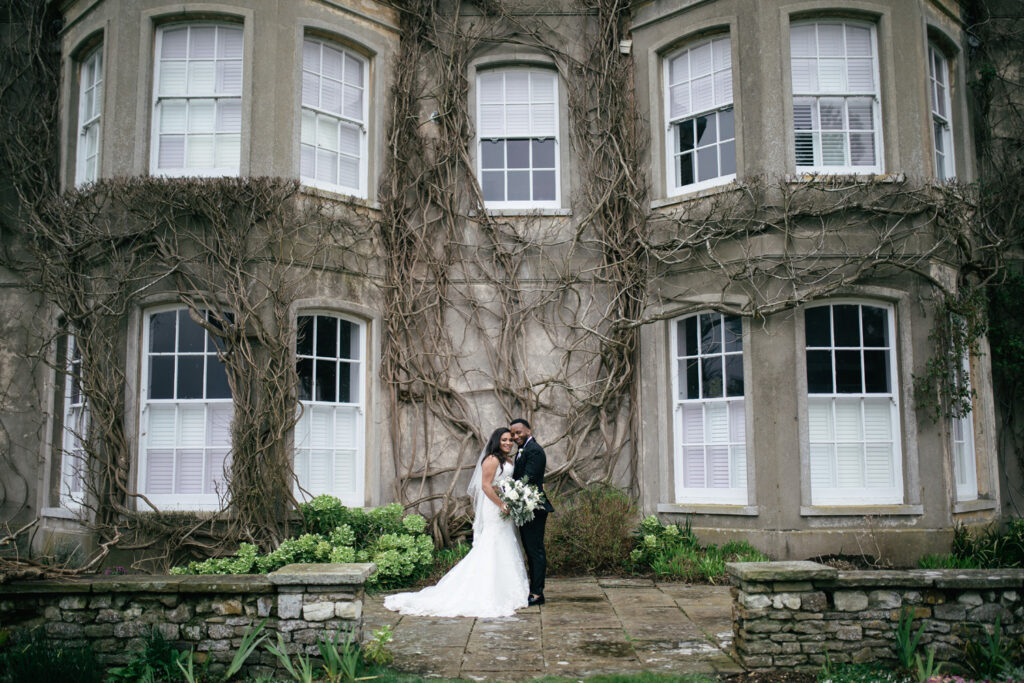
<point x="532" y="534"/>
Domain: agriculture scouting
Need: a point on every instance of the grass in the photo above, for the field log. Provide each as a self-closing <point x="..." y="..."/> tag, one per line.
<point x="386" y="675"/>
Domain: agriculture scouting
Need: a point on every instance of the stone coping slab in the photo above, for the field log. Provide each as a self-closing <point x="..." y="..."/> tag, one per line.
<point x="322" y="574"/>
<point x="780" y="571"/>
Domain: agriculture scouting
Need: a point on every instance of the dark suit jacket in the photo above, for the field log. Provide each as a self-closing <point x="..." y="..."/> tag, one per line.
<point x="531" y="464"/>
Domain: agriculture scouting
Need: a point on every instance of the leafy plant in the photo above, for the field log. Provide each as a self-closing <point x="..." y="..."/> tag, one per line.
<point x="591" y="532"/>
<point x="988" y="655"/>
<point x="341" y="658"/>
<point x="301" y="670"/>
<point x="446" y="558"/>
<point x="28" y="656"/>
<point x="990" y="548"/>
<point x="927" y="668"/>
<point x="861" y="672"/>
<point x="157" y="659"/>
<point x="906" y="639"/>
<point x="375" y="651"/>
<point x="673" y="551"/>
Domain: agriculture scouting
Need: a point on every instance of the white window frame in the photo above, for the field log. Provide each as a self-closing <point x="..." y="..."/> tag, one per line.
<point x="88" y="165"/>
<point x="672" y="188"/>
<point x="737" y="493"/>
<point x="965" y="467"/>
<point x="939" y="77"/>
<point x="158" y="99"/>
<point x="849" y="495"/>
<point x="818" y="95"/>
<point x="520" y="204"/>
<point x="74" y="429"/>
<point x="175" y="501"/>
<point x="354" y="497"/>
<point x="360" y="190"/>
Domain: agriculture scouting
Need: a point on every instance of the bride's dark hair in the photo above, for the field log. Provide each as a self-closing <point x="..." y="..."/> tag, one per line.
<point x="494" y="444"/>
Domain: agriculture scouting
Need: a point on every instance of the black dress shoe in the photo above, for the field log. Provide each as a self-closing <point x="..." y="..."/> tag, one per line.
<point x="539" y="600"/>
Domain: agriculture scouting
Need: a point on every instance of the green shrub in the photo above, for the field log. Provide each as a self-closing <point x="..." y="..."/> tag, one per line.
<point x="446" y="558"/>
<point x="990" y="548"/>
<point x="29" y="656"/>
<point x="397" y="544"/>
<point x="156" y="661"/>
<point x="589" y="533"/>
<point x="865" y="672"/>
<point x="672" y="551"/>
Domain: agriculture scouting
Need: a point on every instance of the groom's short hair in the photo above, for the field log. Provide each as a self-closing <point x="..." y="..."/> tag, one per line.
<point x="521" y="421"/>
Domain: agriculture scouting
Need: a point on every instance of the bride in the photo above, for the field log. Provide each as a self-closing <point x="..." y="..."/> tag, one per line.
<point x="491" y="580"/>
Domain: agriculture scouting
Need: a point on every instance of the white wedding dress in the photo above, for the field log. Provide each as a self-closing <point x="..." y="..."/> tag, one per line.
<point x="490" y="581"/>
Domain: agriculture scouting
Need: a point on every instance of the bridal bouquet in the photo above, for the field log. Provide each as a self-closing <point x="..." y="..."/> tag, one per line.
<point x="522" y="499"/>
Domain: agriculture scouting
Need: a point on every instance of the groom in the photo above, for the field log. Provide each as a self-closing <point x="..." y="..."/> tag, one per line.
<point x="530" y="463"/>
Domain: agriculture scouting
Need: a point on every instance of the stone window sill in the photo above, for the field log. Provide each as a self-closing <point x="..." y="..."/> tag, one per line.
<point x="525" y="212"/>
<point x="708" y="509"/>
<point x="687" y="197"/>
<point x="352" y="200"/>
<point x="973" y="506"/>
<point x="860" y="510"/>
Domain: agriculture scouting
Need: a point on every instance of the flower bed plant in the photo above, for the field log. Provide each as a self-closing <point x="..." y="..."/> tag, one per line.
<point x="397" y="544"/>
<point x="672" y="551"/>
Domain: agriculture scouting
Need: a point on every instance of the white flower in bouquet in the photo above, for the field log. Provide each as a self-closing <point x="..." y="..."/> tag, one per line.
<point x="521" y="500"/>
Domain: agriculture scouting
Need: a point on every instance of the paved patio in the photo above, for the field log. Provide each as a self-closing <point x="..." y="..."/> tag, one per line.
<point x="587" y="626"/>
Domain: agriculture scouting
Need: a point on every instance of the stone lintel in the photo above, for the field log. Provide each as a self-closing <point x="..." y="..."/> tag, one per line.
<point x="323" y="574"/>
<point x="780" y="571"/>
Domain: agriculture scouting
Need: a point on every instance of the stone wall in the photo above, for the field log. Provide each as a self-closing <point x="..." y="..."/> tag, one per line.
<point x="206" y="613"/>
<point x="789" y="614"/>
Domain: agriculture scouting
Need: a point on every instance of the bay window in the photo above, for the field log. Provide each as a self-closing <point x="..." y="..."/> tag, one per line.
<point x="334" y="105"/>
<point x="186" y="411"/>
<point x="836" y="115"/>
<point x="517" y="131"/>
<point x="197" y="100"/>
<point x="701" y="141"/>
<point x="852" y="410"/>
<point x="710" y="418"/>
<point x="329" y="433"/>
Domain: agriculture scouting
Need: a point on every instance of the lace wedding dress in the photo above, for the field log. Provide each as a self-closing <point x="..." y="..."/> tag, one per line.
<point x="489" y="582"/>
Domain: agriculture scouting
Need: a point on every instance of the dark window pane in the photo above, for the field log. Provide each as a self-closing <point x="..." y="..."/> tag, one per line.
<point x="848" y="379"/>
<point x="326" y="337"/>
<point x="326" y="380"/>
<point x="544" y="186"/>
<point x="161" y="332"/>
<point x="216" y="379"/>
<point x="161" y="377"/>
<point x="817" y="327"/>
<point x="215" y="339"/>
<point x="710" y="333"/>
<point x="728" y="157"/>
<point x="304" y="335"/>
<point x="847" y="321"/>
<point x="190" y="377"/>
<point x="876" y="372"/>
<point x="492" y="154"/>
<point x="493" y="186"/>
<point x="707" y="163"/>
<point x="304" y="369"/>
<point x="819" y="372"/>
<point x="691" y="336"/>
<point x="876" y="326"/>
<point x="734" y="375"/>
<point x="726" y="125"/>
<point x="733" y="333"/>
<point x="712" y="377"/>
<point x="347" y="383"/>
<point x="191" y="335"/>
<point x="518" y="186"/>
<point x="707" y="131"/>
<point x="518" y="153"/>
<point x="692" y="379"/>
<point x="684" y="135"/>
<point x="345" y="341"/>
<point x="544" y="153"/>
<point x="804" y="149"/>
<point x="684" y="170"/>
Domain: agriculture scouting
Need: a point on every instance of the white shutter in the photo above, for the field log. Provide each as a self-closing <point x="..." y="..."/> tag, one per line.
<point x="347" y="423"/>
<point x="848" y="420"/>
<point x="217" y="461"/>
<point x="805" y="75"/>
<point x="202" y="78"/>
<point x="320" y="462"/>
<point x="693" y="467"/>
<point x="333" y="63"/>
<point x="718" y="467"/>
<point x="716" y="416"/>
<point x="803" y="41"/>
<point x="700" y="61"/>
<point x="353" y="70"/>
<point x="310" y="89"/>
<point x="159" y="470"/>
<point x="860" y="75"/>
<point x="345" y="471"/>
<point x="878" y="463"/>
<point x="173" y="79"/>
<point x="517" y="120"/>
<point x="311" y="55"/>
<point x="202" y="42"/>
<point x="191" y="426"/>
<point x="858" y="41"/>
<point x="321" y="427"/>
<point x="702" y="93"/>
<point x="822" y="474"/>
<point x="161" y="432"/>
<point x="228" y="151"/>
<point x="331" y="96"/>
<point x="229" y="78"/>
<point x="353" y="102"/>
<point x="201" y="116"/>
<point x="679" y="96"/>
<point x="693" y="423"/>
<point x="542" y="98"/>
<point x="189" y="471"/>
<point x="830" y="40"/>
<point x="832" y="75"/>
<point x="849" y="465"/>
<point x="219" y="425"/>
<point x="200" y="151"/>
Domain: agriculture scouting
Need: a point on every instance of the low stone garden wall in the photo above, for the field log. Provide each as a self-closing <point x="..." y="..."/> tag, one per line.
<point x="787" y="615"/>
<point x="206" y="613"/>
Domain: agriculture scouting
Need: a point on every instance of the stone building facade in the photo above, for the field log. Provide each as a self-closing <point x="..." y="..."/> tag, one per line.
<point x="791" y="157"/>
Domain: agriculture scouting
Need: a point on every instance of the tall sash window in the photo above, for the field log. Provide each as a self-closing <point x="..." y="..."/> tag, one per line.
<point x="90" y="108"/>
<point x="73" y="469"/>
<point x="942" y="129"/>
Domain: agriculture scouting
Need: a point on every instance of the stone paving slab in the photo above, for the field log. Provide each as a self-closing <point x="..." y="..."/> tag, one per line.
<point x="587" y="627"/>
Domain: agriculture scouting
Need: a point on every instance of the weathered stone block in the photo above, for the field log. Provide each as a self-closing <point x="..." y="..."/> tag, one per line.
<point x="789" y="660"/>
<point x="934" y="597"/>
<point x="971" y="599"/>
<point x="52" y="613"/>
<point x="318" y="611"/>
<point x="350" y="610"/>
<point x="130" y="629"/>
<point x="193" y="632"/>
<point x="180" y="614"/>
<point x="884" y="599"/>
<point x="950" y="612"/>
<point x="289" y="605"/>
<point x="762" y="647"/>
<point x="813" y="602"/>
<point x="762" y="626"/>
<point x="220" y="631"/>
<point x="758" y="661"/>
<point x="809" y="627"/>
<point x="756" y="601"/>
<point x="786" y="601"/>
<point x="306" y="636"/>
<point x="850" y="601"/>
<point x="99" y="630"/>
<point x="168" y="631"/>
<point x="989" y="612"/>
<point x="74" y="602"/>
<point x="224" y="607"/>
<point x="852" y="632"/>
<point x="60" y="629"/>
<point x="99" y="602"/>
<point x="264" y="605"/>
<point x="792" y="586"/>
<point x="1009" y="598"/>
<point x="108" y="616"/>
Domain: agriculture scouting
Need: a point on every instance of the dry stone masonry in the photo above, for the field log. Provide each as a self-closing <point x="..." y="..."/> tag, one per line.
<point x="206" y="613"/>
<point x="787" y="615"/>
